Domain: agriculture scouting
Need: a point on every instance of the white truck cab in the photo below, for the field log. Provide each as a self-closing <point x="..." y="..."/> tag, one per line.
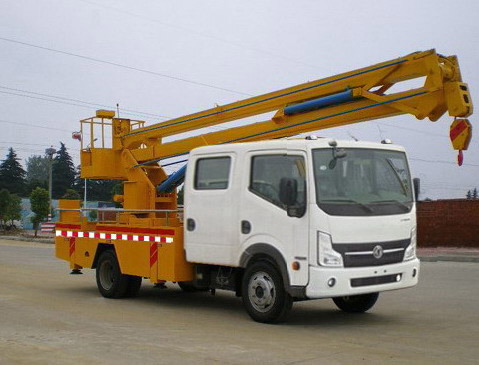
<point x="301" y="219"/>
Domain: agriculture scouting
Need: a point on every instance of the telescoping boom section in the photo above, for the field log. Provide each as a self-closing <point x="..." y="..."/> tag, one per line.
<point x="147" y="231"/>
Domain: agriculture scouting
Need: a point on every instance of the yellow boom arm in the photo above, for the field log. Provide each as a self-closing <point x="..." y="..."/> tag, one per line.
<point x="351" y="97"/>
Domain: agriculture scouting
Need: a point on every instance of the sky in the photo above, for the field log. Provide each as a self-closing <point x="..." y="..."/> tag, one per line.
<point x="59" y="62"/>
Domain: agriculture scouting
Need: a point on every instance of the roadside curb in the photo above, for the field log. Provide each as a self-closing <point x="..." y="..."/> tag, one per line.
<point x="28" y="239"/>
<point x="449" y="258"/>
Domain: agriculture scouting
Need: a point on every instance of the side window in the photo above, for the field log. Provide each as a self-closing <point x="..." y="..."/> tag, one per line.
<point x="267" y="172"/>
<point x="212" y="173"/>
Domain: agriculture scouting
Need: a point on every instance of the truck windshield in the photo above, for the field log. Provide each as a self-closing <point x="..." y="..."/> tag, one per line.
<point x="363" y="182"/>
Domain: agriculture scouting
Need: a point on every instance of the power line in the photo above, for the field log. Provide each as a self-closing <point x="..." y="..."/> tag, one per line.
<point x="23" y="149"/>
<point x="130" y="111"/>
<point x="123" y="110"/>
<point x="204" y="35"/>
<point x="413" y="129"/>
<point x="122" y="66"/>
<point x="39" y="98"/>
<point x="441" y="161"/>
<point x="27" y="144"/>
<point x="35" y="126"/>
<point x="30" y="149"/>
<point x="56" y="101"/>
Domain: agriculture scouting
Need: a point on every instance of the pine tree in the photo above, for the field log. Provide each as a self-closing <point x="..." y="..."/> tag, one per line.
<point x="63" y="173"/>
<point x="474" y="194"/>
<point x="12" y="174"/>
<point x="469" y="195"/>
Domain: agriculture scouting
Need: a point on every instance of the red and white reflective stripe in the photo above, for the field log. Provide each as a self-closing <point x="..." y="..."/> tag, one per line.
<point x="114" y="236"/>
<point x="47" y="227"/>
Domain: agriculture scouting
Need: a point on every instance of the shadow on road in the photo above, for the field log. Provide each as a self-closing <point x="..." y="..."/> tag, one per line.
<point x="308" y="313"/>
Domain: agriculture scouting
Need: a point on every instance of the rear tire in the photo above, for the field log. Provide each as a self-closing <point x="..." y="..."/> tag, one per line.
<point x="109" y="279"/>
<point x="134" y="285"/>
<point x="356" y="303"/>
<point x="264" y="296"/>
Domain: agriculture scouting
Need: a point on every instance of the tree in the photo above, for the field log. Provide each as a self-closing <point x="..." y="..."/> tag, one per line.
<point x="63" y="173"/>
<point x="181" y="196"/>
<point x="97" y="189"/>
<point x="472" y="194"/>
<point x="39" y="200"/>
<point x="4" y="203"/>
<point x="37" y="169"/>
<point x="14" y="209"/>
<point x="93" y="215"/>
<point x="12" y="174"/>
<point x="33" y="184"/>
<point x="71" y="194"/>
<point x="10" y="208"/>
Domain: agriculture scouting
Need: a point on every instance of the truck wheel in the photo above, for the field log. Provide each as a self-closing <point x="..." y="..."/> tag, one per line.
<point x="134" y="285"/>
<point x="356" y="303"/>
<point x="264" y="296"/>
<point x="109" y="279"/>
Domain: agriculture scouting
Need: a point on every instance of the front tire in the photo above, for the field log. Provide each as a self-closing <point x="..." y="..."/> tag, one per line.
<point x="356" y="303"/>
<point x="109" y="279"/>
<point x="264" y="296"/>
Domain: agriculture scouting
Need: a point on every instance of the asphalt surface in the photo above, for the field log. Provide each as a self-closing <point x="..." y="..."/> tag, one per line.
<point x="50" y="317"/>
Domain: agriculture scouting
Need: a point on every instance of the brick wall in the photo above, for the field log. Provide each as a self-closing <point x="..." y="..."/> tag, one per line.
<point x="448" y="223"/>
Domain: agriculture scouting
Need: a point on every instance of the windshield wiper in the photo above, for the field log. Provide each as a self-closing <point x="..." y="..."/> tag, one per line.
<point x="364" y="206"/>
<point x="396" y="173"/>
<point x="394" y="201"/>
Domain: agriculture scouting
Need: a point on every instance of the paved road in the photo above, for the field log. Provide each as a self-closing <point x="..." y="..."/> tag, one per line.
<point x="50" y="317"/>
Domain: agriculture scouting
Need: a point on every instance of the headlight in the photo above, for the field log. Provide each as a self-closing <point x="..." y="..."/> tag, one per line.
<point x="327" y="256"/>
<point x="410" y="253"/>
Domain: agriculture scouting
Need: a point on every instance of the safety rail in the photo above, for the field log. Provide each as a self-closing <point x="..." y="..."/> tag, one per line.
<point x="117" y="211"/>
<point x="88" y="126"/>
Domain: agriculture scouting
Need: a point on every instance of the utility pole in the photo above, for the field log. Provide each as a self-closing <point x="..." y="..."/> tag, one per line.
<point x="50" y="152"/>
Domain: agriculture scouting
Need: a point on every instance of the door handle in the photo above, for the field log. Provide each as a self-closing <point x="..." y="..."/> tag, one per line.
<point x="245" y="227"/>
<point x="190" y="224"/>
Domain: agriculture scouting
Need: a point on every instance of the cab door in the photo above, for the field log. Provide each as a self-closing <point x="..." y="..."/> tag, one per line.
<point x="210" y="212"/>
<point x="267" y="217"/>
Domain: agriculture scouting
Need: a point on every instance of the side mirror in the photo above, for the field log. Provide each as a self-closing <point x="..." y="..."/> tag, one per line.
<point x="288" y="195"/>
<point x="417" y="187"/>
<point x="288" y="191"/>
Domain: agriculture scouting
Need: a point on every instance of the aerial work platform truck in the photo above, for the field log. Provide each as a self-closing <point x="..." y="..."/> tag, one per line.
<point x="271" y="217"/>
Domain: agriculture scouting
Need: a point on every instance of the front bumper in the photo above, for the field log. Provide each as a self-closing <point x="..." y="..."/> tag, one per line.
<point x="361" y="280"/>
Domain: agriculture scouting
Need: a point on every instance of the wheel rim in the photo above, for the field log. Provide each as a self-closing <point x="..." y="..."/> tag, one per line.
<point x="261" y="291"/>
<point x="106" y="275"/>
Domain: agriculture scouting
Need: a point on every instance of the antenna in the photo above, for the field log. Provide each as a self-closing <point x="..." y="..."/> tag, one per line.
<point x="118" y="110"/>
<point x="380" y="132"/>
<point x="351" y="135"/>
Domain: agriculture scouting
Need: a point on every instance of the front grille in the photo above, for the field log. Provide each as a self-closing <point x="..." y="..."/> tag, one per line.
<point x="361" y="254"/>
<point x="375" y="280"/>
